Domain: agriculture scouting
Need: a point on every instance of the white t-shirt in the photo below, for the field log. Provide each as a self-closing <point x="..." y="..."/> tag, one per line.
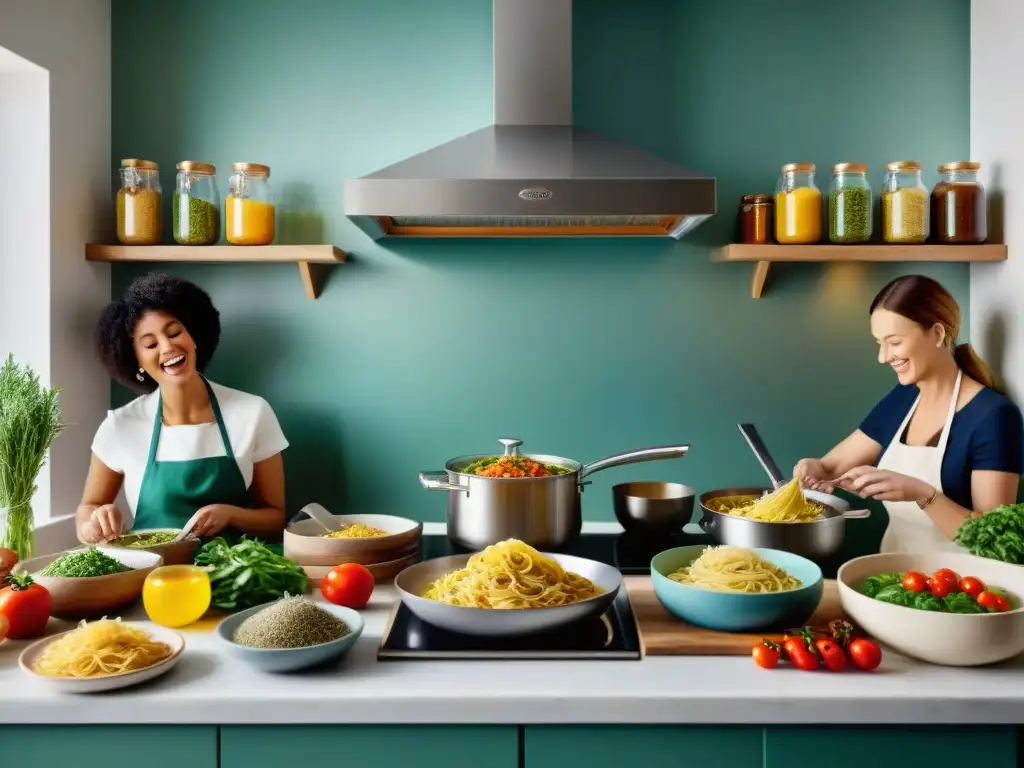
<point x="122" y="441"/>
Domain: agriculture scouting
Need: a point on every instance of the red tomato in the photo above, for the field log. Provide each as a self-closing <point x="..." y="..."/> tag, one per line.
<point x="939" y="587"/>
<point x="832" y="656"/>
<point x="26" y="606"/>
<point x="865" y="654"/>
<point x="348" y="584"/>
<point x="1002" y="604"/>
<point x="766" y="654"/>
<point x="803" y="659"/>
<point x="988" y="600"/>
<point x="915" y="581"/>
<point x="949" y="577"/>
<point x="4" y="626"/>
<point x="972" y="586"/>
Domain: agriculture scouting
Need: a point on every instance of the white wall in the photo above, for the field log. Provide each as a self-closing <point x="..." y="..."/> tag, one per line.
<point x="997" y="117"/>
<point x="44" y="275"/>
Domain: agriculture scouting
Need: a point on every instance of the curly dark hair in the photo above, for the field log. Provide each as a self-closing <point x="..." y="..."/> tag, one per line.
<point x="185" y="301"/>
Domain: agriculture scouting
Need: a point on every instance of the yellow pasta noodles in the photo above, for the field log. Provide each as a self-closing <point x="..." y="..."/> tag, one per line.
<point x="356" y="531"/>
<point x="511" y="575"/>
<point x="786" y="504"/>
<point x="734" y="569"/>
<point x="104" y="647"/>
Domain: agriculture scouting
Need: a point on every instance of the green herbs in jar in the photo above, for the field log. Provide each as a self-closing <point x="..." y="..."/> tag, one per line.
<point x="849" y="215"/>
<point x="196" y="221"/>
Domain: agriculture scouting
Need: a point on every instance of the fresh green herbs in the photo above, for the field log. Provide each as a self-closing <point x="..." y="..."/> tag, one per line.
<point x="888" y="587"/>
<point x="997" y="535"/>
<point x="248" y="574"/>
<point x="30" y="421"/>
<point x="84" y="563"/>
<point x="143" y="540"/>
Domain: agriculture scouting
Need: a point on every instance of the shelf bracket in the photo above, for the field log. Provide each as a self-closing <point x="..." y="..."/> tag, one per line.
<point x="760" y="275"/>
<point x="313" y="277"/>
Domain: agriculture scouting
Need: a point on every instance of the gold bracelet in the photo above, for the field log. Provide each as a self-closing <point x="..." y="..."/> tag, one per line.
<point x="929" y="500"/>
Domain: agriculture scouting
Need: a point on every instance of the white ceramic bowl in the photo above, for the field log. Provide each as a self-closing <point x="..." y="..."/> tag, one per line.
<point x="952" y="639"/>
<point x="106" y="682"/>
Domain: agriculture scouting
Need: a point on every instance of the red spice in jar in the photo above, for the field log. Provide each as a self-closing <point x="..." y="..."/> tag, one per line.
<point x="959" y="207"/>
<point x="756" y="219"/>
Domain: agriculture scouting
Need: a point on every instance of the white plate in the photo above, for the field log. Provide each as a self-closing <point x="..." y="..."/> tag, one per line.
<point x="106" y="682"/>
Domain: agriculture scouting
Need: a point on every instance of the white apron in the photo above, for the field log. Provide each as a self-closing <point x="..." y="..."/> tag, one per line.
<point x="910" y="529"/>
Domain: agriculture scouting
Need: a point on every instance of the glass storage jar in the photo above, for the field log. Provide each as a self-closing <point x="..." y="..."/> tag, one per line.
<point x="139" y="203"/>
<point x="849" y="204"/>
<point x="959" y="208"/>
<point x="195" y="208"/>
<point x="756" y="219"/>
<point x="797" y="205"/>
<point x="904" y="203"/>
<point x="249" y="206"/>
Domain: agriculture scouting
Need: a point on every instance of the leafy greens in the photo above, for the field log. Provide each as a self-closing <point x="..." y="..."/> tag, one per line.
<point x="248" y="574"/>
<point x="888" y="587"/>
<point x="997" y="535"/>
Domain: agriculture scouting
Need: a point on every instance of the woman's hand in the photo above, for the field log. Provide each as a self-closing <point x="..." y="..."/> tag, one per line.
<point x="212" y="520"/>
<point x="812" y="475"/>
<point x="885" y="485"/>
<point x="103" y="524"/>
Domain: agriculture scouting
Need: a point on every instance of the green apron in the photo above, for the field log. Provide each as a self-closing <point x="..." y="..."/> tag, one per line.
<point x="173" y="491"/>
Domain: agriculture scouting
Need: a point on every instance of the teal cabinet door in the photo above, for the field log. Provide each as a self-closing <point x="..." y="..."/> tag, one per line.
<point x="620" y="746"/>
<point x="109" y="746"/>
<point x="897" y="746"/>
<point x="380" y="746"/>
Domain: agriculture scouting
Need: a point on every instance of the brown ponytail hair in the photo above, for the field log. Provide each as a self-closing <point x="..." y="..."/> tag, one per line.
<point x="927" y="303"/>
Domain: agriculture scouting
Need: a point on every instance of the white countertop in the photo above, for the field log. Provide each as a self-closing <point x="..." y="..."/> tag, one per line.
<point x="207" y="687"/>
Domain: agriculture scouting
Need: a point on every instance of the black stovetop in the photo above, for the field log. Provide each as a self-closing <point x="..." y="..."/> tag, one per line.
<point x="611" y="636"/>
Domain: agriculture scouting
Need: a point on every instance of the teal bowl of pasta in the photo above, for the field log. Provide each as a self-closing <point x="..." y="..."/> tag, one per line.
<point x="735" y="589"/>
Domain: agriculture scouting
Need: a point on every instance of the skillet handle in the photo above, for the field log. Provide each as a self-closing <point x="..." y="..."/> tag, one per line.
<point x="634" y="457"/>
<point x="857" y="514"/>
<point x="438" y="481"/>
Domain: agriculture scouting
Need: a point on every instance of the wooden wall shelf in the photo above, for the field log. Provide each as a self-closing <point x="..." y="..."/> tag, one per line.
<point x="314" y="260"/>
<point x="762" y="256"/>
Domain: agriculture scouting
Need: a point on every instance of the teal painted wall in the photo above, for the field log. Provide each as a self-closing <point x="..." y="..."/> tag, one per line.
<point x="417" y="352"/>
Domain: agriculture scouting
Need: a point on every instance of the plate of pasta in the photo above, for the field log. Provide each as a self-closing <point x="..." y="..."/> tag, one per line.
<point x="103" y="655"/>
<point x="509" y="588"/>
<point x="737" y="589"/>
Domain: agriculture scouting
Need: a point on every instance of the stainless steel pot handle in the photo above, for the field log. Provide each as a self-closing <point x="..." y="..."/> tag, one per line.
<point x="633" y="457"/>
<point x="511" y="445"/>
<point x="438" y="481"/>
<point x="857" y="514"/>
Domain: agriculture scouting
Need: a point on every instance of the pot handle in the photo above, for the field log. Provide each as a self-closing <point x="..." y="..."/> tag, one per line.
<point x="633" y="457"/>
<point x="857" y="514"/>
<point x="438" y="481"/>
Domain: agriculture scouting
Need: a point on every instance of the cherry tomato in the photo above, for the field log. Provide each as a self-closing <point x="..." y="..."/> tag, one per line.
<point x="1002" y="604"/>
<point x="949" y="577"/>
<point x="972" y="586"/>
<point x="348" y="584"/>
<point x="939" y="587"/>
<point x="4" y="626"/>
<point x="766" y="654"/>
<point x="988" y="600"/>
<point x="832" y="656"/>
<point x="865" y="654"/>
<point x="915" y="581"/>
<point x="803" y="659"/>
<point x="793" y="645"/>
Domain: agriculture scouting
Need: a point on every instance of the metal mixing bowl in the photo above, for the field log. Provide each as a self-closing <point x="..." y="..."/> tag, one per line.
<point x="652" y="508"/>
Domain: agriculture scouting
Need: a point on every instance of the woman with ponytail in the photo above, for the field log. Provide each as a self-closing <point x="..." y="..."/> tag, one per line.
<point x="944" y="444"/>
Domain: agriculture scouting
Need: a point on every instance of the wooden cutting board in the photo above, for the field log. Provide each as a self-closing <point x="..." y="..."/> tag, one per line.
<point x="662" y="634"/>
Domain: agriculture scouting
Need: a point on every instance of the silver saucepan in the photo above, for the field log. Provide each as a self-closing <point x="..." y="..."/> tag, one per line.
<point x="817" y="539"/>
<point x="543" y="511"/>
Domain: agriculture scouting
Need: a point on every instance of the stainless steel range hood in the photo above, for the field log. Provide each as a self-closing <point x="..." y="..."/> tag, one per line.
<point x="531" y="173"/>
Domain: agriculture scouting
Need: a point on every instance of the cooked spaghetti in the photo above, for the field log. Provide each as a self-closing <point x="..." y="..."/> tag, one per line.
<point x="734" y="569"/>
<point x="355" y="531"/>
<point x="786" y="504"/>
<point x="511" y="575"/>
<point x="104" y="647"/>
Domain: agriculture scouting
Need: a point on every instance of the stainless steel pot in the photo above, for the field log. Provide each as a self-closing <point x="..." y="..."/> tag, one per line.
<point x="817" y="539"/>
<point x="544" y="512"/>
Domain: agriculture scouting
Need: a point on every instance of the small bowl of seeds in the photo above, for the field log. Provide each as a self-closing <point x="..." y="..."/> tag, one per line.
<point x="291" y="633"/>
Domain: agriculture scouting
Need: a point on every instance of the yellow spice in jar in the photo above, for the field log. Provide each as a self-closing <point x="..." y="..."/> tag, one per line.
<point x="798" y="216"/>
<point x="905" y="215"/>
<point x="248" y="222"/>
<point x="139" y="216"/>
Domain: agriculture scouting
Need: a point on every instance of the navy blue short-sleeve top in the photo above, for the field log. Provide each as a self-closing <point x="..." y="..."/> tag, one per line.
<point x="987" y="433"/>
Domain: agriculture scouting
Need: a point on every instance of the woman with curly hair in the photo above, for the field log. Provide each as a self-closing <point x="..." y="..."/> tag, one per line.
<point x="186" y="445"/>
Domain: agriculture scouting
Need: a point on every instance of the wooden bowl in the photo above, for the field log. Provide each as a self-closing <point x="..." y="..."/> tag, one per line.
<point x="304" y="543"/>
<point x="174" y="553"/>
<point x="381" y="571"/>
<point x="91" y="597"/>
